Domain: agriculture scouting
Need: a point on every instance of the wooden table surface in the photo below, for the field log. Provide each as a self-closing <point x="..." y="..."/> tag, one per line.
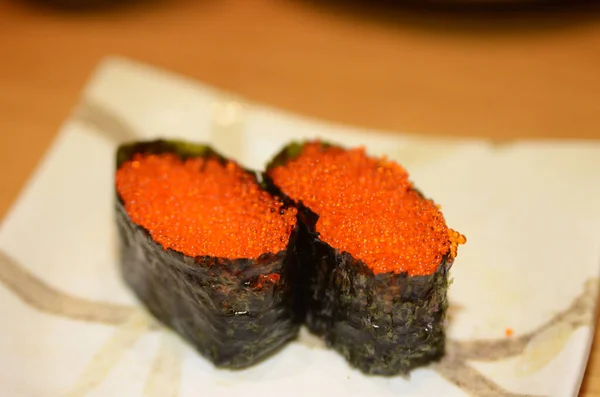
<point x="504" y="74"/>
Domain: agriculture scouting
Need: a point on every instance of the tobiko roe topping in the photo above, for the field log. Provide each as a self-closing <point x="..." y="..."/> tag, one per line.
<point x="203" y="207"/>
<point x="368" y="207"/>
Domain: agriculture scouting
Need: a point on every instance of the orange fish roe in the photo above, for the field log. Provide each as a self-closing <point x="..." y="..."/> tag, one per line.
<point x="203" y="207"/>
<point x="369" y="208"/>
<point x="272" y="278"/>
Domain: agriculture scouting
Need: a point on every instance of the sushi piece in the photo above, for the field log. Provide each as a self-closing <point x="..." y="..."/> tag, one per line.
<point x="207" y="250"/>
<point x="377" y="255"/>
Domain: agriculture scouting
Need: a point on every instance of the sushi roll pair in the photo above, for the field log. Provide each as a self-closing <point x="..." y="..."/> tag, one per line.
<point x="333" y="238"/>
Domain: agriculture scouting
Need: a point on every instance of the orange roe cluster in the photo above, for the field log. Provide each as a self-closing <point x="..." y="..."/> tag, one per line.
<point x="203" y="207"/>
<point x="369" y="208"/>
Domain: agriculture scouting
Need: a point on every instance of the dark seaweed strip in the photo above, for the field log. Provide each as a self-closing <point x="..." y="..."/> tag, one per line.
<point x="217" y="304"/>
<point x="182" y="149"/>
<point x="383" y="324"/>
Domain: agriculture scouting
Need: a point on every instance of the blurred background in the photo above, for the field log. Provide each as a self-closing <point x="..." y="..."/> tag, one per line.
<point x="502" y="69"/>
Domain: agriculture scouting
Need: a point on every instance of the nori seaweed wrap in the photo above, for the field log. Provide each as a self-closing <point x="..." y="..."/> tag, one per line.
<point x="234" y="310"/>
<point x="382" y="306"/>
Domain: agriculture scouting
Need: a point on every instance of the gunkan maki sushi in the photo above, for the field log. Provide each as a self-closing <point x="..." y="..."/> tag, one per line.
<point x="206" y="249"/>
<point x="377" y="255"/>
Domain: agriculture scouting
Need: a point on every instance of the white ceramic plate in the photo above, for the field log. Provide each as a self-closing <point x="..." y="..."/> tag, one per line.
<point x="71" y="328"/>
